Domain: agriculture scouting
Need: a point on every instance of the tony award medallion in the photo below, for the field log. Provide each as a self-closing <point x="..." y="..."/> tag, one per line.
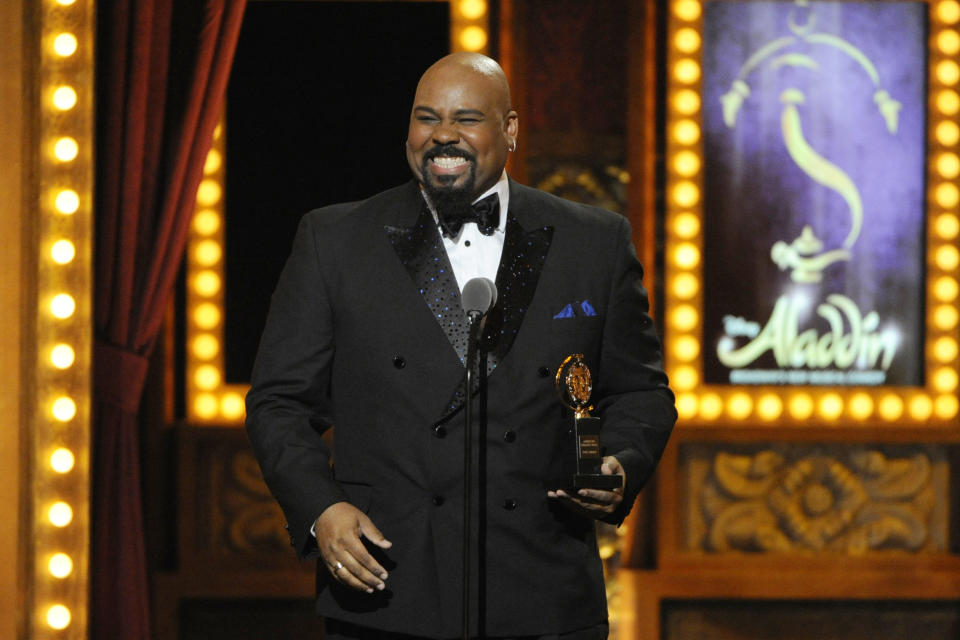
<point x="574" y="384"/>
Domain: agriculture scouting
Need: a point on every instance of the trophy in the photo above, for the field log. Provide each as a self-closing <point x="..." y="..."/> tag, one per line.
<point x="574" y="384"/>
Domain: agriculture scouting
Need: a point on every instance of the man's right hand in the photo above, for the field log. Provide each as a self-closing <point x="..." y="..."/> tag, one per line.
<point x="338" y="530"/>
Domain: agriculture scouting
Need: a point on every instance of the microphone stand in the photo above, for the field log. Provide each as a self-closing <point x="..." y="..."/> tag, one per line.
<point x="473" y="319"/>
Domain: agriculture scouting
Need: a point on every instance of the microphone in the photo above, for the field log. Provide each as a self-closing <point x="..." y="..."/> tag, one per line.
<point x="478" y="297"/>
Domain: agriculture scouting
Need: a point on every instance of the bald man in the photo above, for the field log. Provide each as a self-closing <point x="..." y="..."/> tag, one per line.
<point x="366" y="332"/>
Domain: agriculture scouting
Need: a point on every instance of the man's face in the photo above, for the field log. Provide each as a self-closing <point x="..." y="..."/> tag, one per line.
<point x="460" y="131"/>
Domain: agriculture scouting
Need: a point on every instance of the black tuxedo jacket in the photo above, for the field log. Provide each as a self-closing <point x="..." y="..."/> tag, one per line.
<point x="365" y="332"/>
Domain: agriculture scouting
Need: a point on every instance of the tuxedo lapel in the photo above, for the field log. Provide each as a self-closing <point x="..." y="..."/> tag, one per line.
<point x="420" y="249"/>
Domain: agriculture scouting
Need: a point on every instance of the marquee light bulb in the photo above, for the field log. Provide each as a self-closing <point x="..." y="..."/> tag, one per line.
<point x="947" y="133"/>
<point x="65" y="44"/>
<point x="473" y="38"/>
<point x="686" y="193"/>
<point x="687" y="9"/>
<point x="232" y="406"/>
<point x="206" y="315"/>
<point x="207" y="283"/>
<point x="686" y="101"/>
<point x="685" y="286"/>
<point x="948" y="165"/>
<point x="472" y="9"/>
<point x="948" y="11"/>
<point x="64" y="98"/>
<point x="945" y="380"/>
<point x="67" y="201"/>
<point x="945" y="349"/>
<point x="209" y="193"/>
<point x="686" y="132"/>
<point x="830" y="406"/>
<point x="207" y="253"/>
<point x="860" y="406"/>
<point x="205" y="406"/>
<point x="686" y="71"/>
<point x="946" y="406"/>
<point x="948" y="72"/>
<point x="687" y="40"/>
<point x="769" y="407"/>
<point x="63" y="251"/>
<point x="206" y="377"/>
<point x="947" y="257"/>
<point x="62" y="460"/>
<point x="947" y="226"/>
<point x="684" y="378"/>
<point x="947" y="195"/>
<point x="62" y="305"/>
<point x="686" y="348"/>
<point x="800" y="406"/>
<point x="206" y="222"/>
<point x="711" y="406"/>
<point x="948" y="41"/>
<point x="686" y="405"/>
<point x="58" y="616"/>
<point x="60" y="565"/>
<point x="205" y="346"/>
<point x="948" y="102"/>
<point x="686" y="255"/>
<point x="739" y="406"/>
<point x="64" y="409"/>
<point x="684" y="317"/>
<point x="60" y="514"/>
<point x="945" y="317"/>
<point x="62" y="356"/>
<point x="66" y="149"/>
<point x="946" y="289"/>
<point x="213" y="162"/>
<point x="686" y="225"/>
<point x="920" y="407"/>
<point x="686" y="163"/>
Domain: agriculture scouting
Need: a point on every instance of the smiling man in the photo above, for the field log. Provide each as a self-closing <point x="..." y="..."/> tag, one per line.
<point x="366" y="332"/>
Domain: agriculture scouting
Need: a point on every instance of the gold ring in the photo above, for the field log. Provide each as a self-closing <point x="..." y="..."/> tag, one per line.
<point x="338" y="567"/>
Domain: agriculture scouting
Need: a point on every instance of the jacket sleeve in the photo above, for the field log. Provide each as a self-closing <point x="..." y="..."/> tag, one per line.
<point x="634" y="401"/>
<point x="289" y="405"/>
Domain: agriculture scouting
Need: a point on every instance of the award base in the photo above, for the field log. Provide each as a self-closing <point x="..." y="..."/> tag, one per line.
<point x="586" y="432"/>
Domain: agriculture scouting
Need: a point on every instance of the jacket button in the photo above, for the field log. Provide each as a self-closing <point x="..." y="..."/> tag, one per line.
<point x="543" y="372"/>
<point x="439" y="431"/>
<point x="399" y="362"/>
<point x="509" y="436"/>
<point x="437" y="500"/>
<point x="509" y="504"/>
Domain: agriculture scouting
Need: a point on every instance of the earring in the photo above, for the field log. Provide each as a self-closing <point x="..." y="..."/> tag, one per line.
<point x="513" y="146"/>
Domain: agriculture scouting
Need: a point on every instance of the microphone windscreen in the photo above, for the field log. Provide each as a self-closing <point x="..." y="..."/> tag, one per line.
<point x="479" y="294"/>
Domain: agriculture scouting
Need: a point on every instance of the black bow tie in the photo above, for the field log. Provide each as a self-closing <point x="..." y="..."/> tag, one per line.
<point x="485" y="213"/>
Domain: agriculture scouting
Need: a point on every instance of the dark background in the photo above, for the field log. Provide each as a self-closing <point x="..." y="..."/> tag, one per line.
<point x="317" y="113"/>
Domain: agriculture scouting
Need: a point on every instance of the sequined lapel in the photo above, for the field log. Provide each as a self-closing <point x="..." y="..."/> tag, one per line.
<point x="524" y="253"/>
<point x="420" y="249"/>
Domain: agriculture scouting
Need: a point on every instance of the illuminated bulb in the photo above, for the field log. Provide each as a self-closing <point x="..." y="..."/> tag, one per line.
<point x="686" y="163"/>
<point x="207" y="253"/>
<point x="231" y="406"/>
<point x="711" y="406"/>
<point x="946" y="289"/>
<point x="218" y="131"/>
<point x="205" y="346"/>
<point x="60" y="514"/>
<point x="687" y="40"/>
<point x="206" y="377"/>
<point x="946" y="406"/>
<point x="948" y="102"/>
<point x="65" y="149"/>
<point x="473" y="38"/>
<point x="208" y="193"/>
<point x="686" y="348"/>
<point x="206" y="222"/>
<point x="63" y="251"/>
<point x="686" y="193"/>
<point x="205" y="406"/>
<point x="686" y="255"/>
<point x="947" y="133"/>
<point x="67" y="201"/>
<point x="920" y="407"/>
<point x="945" y="317"/>
<point x="948" y="165"/>
<point x="686" y="71"/>
<point x="686" y="225"/>
<point x="945" y="349"/>
<point x="947" y="226"/>
<point x="769" y="407"/>
<point x="684" y="317"/>
<point x="64" y="98"/>
<point x="206" y="315"/>
<point x="945" y="380"/>
<point x="213" y="162"/>
<point x="686" y="132"/>
<point x="687" y="9"/>
<point x="831" y="406"/>
<point x="948" y="72"/>
<point x="800" y="406"/>
<point x="62" y="356"/>
<point x="64" y="409"/>
<point x="948" y="41"/>
<point x="65" y="44"/>
<point x="860" y="406"/>
<point x="948" y="11"/>
<point x="62" y="306"/>
<point x="684" y="378"/>
<point x="739" y="406"/>
<point x="947" y="195"/>
<point x="890" y="407"/>
<point x="66" y="3"/>
<point x="207" y="283"/>
<point x="58" y="616"/>
<point x="60" y="565"/>
<point x="685" y="286"/>
<point x="472" y="9"/>
<point x="687" y="405"/>
<point x="686" y="101"/>
<point x="947" y="257"/>
<point x="62" y="460"/>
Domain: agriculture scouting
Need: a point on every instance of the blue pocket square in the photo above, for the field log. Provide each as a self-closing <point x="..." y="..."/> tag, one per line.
<point x="574" y="309"/>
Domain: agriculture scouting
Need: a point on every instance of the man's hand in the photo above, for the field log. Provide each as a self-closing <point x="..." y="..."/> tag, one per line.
<point x="339" y="529"/>
<point x="595" y="502"/>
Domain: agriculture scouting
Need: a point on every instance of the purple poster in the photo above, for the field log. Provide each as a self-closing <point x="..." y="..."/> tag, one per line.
<point x="814" y="192"/>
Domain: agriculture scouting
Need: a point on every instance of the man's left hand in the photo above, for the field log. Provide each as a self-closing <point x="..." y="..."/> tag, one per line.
<point x="595" y="502"/>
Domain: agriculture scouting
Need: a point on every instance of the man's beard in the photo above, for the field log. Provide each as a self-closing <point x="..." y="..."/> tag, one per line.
<point x="449" y="201"/>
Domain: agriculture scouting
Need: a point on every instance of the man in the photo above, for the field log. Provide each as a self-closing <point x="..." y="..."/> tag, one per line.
<point x="366" y="332"/>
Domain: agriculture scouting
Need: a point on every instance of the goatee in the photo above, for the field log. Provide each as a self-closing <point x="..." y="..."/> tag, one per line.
<point x="449" y="201"/>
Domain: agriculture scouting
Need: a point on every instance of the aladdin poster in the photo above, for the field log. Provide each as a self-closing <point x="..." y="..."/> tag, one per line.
<point x="814" y="181"/>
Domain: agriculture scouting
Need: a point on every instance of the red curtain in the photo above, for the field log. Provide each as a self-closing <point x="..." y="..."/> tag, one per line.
<point x="162" y="73"/>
